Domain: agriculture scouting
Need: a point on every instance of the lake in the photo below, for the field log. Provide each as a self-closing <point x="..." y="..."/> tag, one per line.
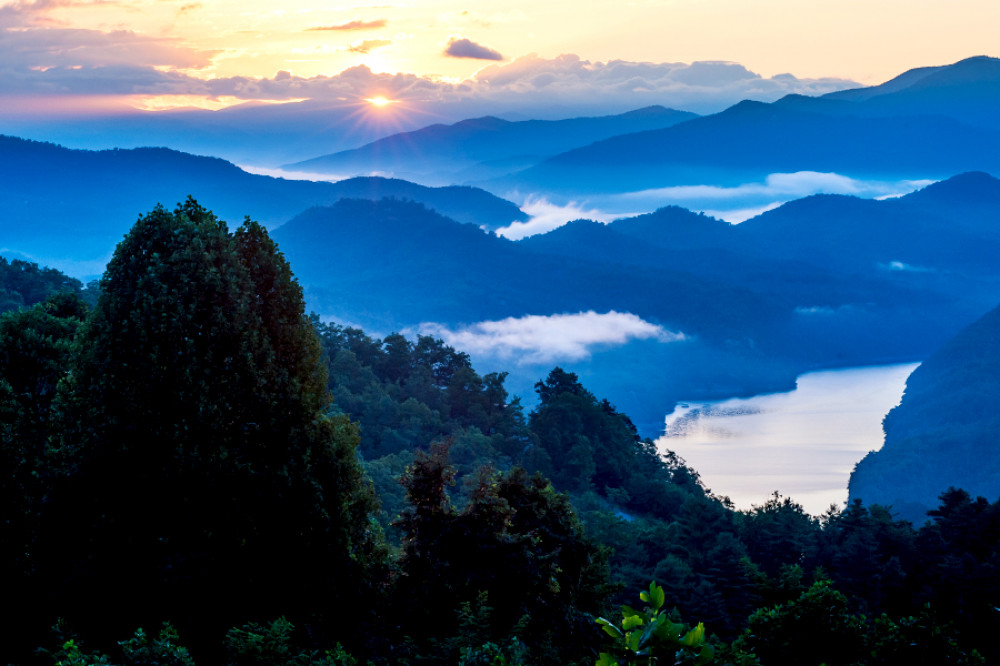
<point x="803" y="443"/>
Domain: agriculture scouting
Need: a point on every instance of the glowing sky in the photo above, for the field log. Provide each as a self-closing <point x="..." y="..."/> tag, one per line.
<point x="216" y="52"/>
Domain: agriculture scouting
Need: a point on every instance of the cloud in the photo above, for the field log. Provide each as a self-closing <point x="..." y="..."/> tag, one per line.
<point x="352" y="25"/>
<point x="38" y="50"/>
<point x="702" y="87"/>
<point x="30" y="12"/>
<point x="546" y="216"/>
<point x="901" y="266"/>
<point x="739" y="203"/>
<point x="545" y="339"/>
<point x="466" y="48"/>
<point x="732" y="204"/>
<point x="542" y="88"/>
<point x="368" y="44"/>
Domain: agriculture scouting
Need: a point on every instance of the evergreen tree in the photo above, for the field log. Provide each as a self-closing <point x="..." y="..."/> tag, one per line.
<point x="205" y="484"/>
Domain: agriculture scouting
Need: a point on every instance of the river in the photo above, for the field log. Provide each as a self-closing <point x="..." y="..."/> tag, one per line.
<point x="803" y="443"/>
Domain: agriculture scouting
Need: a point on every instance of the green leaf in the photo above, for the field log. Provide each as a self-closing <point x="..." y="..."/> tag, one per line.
<point x="650" y="630"/>
<point x="656" y="595"/>
<point x="609" y="629"/>
<point x="695" y="637"/>
<point x="631" y="622"/>
<point x="606" y="660"/>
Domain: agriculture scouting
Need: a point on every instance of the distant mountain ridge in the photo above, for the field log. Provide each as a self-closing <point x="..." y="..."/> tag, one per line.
<point x="479" y="146"/>
<point x="968" y="91"/>
<point x="400" y="263"/>
<point x="928" y="123"/>
<point x="61" y="203"/>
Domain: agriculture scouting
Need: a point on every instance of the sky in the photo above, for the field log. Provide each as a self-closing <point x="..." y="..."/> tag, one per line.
<point x="88" y="56"/>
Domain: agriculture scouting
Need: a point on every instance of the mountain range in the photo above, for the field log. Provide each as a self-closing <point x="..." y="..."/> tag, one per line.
<point x="75" y="205"/>
<point x="927" y="123"/>
<point x="480" y="148"/>
<point x="824" y="281"/>
<point x="751" y="140"/>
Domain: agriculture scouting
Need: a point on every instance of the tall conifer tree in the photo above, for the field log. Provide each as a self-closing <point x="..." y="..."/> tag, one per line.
<point x="206" y="485"/>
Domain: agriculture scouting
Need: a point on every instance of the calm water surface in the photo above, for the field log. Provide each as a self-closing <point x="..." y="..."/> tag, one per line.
<point x="803" y="443"/>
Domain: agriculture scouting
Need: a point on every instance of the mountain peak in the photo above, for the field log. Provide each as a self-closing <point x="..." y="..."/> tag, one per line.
<point x="977" y="69"/>
<point x="965" y="188"/>
<point x="485" y="122"/>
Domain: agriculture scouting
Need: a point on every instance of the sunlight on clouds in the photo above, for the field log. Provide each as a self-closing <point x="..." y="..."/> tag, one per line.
<point x="545" y="339"/>
<point x="169" y="102"/>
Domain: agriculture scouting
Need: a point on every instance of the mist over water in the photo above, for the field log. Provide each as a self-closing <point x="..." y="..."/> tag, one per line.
<point x="803" y="443"/>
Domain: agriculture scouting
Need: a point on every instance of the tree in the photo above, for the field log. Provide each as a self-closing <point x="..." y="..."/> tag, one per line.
<point x="205" y="484"/>
<point x="23" y="283"/>
<point x="35" y="348"/>
<point x="593" y="444"/>
<point x="817" y="628"/>
<point x="514" y="558"/>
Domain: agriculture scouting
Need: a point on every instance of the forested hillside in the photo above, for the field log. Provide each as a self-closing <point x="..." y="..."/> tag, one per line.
<point x="946" y="430"/>
<point x="24" y="283"/>
<point x="194" y="450"/>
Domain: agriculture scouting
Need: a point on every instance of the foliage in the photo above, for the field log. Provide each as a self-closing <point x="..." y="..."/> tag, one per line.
<point x="650" y="636"/>
<point x="271" y="645"/>
<point x="920" y="640"/>
<point x="200" y="463"/>
<point x="513" y="528"/>
<point x="36" y="344"/>
<point x="24" y="283"/>
<point x="817" y="628"/>
<point x="513" y="653"/>
<point x="164" y="650"/>
<point x="69" y="650"/>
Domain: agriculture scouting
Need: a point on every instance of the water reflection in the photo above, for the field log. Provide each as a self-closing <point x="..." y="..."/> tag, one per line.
<point x="803" y="443"/>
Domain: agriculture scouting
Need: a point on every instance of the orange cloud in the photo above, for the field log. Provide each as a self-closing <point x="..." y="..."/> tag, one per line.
<point x="353" y="25"/>
<point x="367" y="45"/>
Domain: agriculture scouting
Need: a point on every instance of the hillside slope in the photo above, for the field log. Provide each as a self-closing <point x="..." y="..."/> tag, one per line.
<point x="946" y="430"/>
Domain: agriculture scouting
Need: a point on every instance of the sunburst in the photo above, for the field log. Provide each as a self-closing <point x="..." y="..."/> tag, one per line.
<point x="379" y="101"/>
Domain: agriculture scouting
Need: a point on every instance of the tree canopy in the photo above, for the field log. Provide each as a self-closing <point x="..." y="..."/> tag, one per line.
<point x="201" y="461"/>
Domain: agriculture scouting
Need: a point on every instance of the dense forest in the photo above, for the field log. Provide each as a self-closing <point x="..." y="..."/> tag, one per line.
<point x="196" y="471"/>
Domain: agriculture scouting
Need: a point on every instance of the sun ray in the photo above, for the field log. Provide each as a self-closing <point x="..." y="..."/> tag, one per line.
<point x="380" y="101"/>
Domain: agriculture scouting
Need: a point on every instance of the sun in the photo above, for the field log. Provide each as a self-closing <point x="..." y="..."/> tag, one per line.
<point x="379" y="101"/>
